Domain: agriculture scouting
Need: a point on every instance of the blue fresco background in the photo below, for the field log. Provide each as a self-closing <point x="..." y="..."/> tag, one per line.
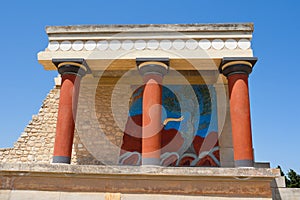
<point x="197" y="103"/>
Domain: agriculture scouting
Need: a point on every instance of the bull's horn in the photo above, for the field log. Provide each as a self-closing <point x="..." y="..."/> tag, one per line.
<point x="172" y="120"/>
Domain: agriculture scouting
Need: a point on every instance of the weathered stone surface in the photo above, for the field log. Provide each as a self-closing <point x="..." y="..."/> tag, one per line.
<point x="236" y="173"/>
<point x="181" y="197"/>
<point x="113" y="196"/>
<point x="244" y="27"/>
<point x="46" y="195"/>
<point x="5" y="194"/>
<point x="32" y="195"/>
<point x="231" y="182"/>
<point x="82" y="196"/>
<point x="36" y="143"/>
<point x="286" y="193"/>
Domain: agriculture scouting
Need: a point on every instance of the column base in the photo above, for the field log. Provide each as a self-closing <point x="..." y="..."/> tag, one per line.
<point x="244" y="163"/>
<point x="61" y="159"/>
<point x="150" y="161"/>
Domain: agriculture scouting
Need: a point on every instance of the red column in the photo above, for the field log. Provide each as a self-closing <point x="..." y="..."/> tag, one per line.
<point x="240" y="119"/>
<point x="237" y="74"/>
<point x="152" y="99"/>
<point x="71" y="75"/>
<point x="152" y="71"/>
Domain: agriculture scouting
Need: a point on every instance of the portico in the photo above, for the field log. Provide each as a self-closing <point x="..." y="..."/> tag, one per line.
<point x="156" y="56"/>
<point x="142" y="111"/>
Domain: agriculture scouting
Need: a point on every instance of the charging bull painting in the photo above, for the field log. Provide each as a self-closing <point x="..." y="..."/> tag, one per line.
<point x="189" y="134"/>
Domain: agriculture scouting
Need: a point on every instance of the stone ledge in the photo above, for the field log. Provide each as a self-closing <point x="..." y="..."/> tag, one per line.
<point x="36" y="195"/>
<point x="153" y="27"/>
<point x="45" y="195"/>
<point x="142" y="170"/>
<point x="227" y="182"/>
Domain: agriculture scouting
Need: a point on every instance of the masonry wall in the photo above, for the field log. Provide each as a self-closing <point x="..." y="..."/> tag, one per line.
<point x="36" y="142"/>
<point x="100" y="134"/>
<point x="99" y="126"/>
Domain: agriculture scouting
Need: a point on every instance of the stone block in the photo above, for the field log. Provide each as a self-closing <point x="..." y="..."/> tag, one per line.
<point x="278" y="182"/>
<point x="226" y="157"/>
<point x="82" y="196"/>
<point x="262" y="165"/>
<point x="33" y="195"/>
<point x="112" y="196"/>
<point x="286" y="194"/>
<point x="231" y="182"/>
<point x="181" y="197"/>
<point x="5" y="194"/>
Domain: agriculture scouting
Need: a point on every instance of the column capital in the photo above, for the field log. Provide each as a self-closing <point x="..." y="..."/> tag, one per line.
<point x="76" y="66"/>
<point x="237" y="65"/>
<point x="158" y="66"/>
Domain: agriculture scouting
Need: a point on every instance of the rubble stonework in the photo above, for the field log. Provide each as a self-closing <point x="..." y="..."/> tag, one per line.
<point x="97" y="130"/>
<point x="35" y="145"/>
<point x="98" y="137"/>
<point x="36" y="142"/>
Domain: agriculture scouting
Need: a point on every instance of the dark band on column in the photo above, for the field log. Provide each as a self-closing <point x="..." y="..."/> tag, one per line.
<point x="153" y="66"/>
<point x="61" y="159"/>
<point x="150" y="161"/>
<point x="244" y="163"/>
<point x="237" y="65"/>
<point x="77" y="66"/>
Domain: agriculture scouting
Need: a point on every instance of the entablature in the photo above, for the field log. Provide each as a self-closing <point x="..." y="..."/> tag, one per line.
<point x="189" y="47"/>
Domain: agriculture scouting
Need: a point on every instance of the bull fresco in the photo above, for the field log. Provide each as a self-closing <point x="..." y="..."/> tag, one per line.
<point x="189" y="134"/>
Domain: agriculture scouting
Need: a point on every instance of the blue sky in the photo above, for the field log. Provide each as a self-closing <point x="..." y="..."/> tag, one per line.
<point x="274" y="87"/>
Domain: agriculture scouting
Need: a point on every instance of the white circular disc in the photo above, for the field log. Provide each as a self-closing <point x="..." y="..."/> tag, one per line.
<point x="244" y="44"/>
<point x="114" y="45"/>
<point x="191" y="44"/>
<point x="218" y="44"/>
<point x="165" y="44"/>
<point x="90" y="45"/>
<point x="127" y="44"/>
<point x="77" y="45"/>
<point x="152" y="44"/>
<point x="102" y="45"/>
<point x="231" y="44"/>
<point x="53" y="45"/>
<point x="204" y="44"/>
<point x="140" y="44"/>
<point x="178" y="44"/>
<point x="65" y="45"/>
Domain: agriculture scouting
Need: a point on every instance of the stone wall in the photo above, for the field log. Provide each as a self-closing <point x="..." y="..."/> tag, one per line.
<point x="101" y="137"/>
<point x="36" y="142"/>
<point x="99" y="126"/>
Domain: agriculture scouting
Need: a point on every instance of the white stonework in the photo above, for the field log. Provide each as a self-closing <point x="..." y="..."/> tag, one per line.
<point x="77" y="45"/>
<point x="65" y="45"/>
<point x="115" y="45"/>
<point x="104" y="43"/>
